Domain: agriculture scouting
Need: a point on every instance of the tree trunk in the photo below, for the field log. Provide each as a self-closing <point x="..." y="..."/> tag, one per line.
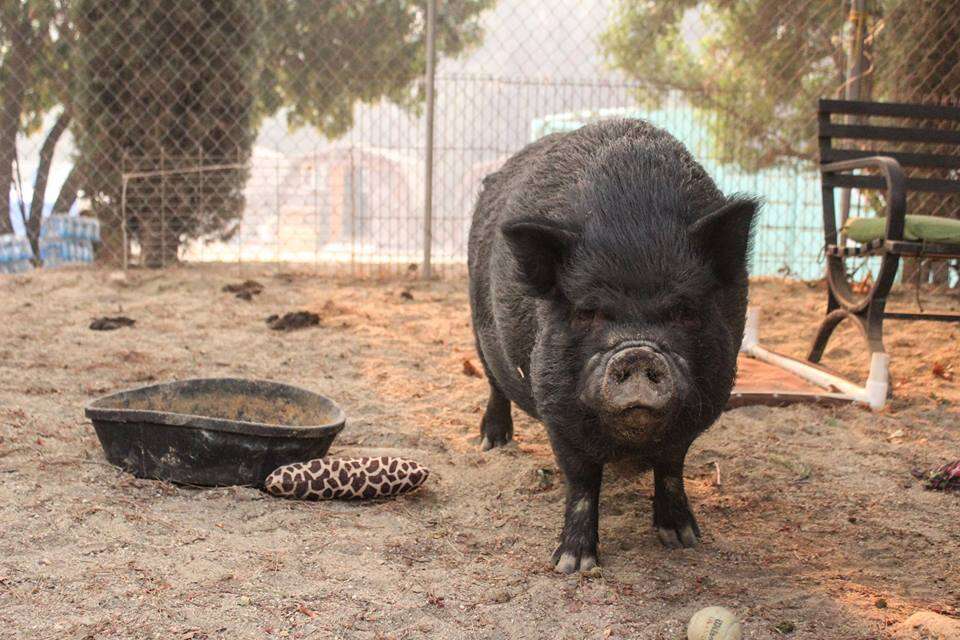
<point x="69" y="190"/>
<point x="159" y="243"/>
<point x="40" y="183"/>
<point x="111" y="249"/>
<point x="16" y="69"/>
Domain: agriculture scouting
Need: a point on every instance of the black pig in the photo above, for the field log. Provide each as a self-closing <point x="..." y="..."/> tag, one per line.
<point x="608" y="287"/>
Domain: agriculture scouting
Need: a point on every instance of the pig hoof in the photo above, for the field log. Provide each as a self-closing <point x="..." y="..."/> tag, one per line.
<point x="491" y="438"/>
<point x="486" y="444"/>
<point x="686" y="536"/>
<point x="567" y="562"/>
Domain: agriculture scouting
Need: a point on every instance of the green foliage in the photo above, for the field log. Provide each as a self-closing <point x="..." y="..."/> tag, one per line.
<point x="35" y="41"/>
<point x="50" y="36"/>
<point x="919" y="61"/>
<point x="918" y="50"/>
<point x="322" y="58"/>
<point x="759" y="66"/>
<point x="756" y="70"/>
<point x="165" y="80"/>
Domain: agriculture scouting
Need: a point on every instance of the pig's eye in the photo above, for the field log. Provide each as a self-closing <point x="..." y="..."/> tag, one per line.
<point x="589" y="317"/>
<point x="689" y="321"/>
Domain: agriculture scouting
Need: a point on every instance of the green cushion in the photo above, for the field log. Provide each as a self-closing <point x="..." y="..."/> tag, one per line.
<point x="926" y="228"/>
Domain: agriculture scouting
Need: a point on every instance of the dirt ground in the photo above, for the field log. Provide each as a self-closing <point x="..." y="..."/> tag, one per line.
<point x="815" y="525"/>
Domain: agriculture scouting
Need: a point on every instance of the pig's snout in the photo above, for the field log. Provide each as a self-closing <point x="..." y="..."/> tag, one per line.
<point x="637" y="377"/>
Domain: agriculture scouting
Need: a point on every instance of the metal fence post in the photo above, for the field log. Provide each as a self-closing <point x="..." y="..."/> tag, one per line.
<point x="123" y="212"/>
<point x="428" y="160"/>
<point x="855" y="85"/>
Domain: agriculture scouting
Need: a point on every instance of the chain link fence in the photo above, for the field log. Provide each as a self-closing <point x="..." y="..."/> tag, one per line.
<point x="353" y="135"/>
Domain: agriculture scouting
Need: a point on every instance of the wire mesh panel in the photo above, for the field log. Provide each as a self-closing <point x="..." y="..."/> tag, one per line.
<point x="250" y="131"/>
<point x="906" y="52"/>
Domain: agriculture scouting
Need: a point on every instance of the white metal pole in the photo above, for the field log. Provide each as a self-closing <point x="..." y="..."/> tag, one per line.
<point x="428" y="167"/>
<point x="123" y="223"/>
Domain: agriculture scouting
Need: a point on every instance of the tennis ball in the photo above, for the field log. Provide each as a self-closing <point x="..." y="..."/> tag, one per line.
<point x="714" y="623"/>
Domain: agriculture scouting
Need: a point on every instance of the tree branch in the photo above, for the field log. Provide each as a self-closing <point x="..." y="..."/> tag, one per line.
<point x="69" y="190"/>
<point x="16" y="69"/>
<point x="40" y="182"/>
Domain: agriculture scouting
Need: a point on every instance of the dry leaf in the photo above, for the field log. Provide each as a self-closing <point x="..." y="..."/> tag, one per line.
<point x="864" y="285"/>
<point x="941" y="371"/>
<point x="470" y="369"/>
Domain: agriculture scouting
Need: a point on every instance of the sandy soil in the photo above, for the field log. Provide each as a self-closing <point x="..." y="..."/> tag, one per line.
<point x="816" y="523"/>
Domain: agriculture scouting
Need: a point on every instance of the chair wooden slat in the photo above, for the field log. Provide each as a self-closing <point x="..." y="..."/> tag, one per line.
<point x="925" y="249"/>
<point x="889" y="134"/>
<point x="890" y="109"/>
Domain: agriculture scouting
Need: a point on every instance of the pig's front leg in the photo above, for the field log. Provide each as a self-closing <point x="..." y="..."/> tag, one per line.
<point x="676" y="527"/>
<point x="578" y="541"/>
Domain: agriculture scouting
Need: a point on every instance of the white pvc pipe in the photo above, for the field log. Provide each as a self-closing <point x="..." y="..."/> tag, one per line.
<point x="878" y="382"/>
<point x="874" y="394"/>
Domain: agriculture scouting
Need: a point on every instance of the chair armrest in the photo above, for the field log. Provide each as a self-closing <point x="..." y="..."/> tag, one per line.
<point x="895" y="210"/>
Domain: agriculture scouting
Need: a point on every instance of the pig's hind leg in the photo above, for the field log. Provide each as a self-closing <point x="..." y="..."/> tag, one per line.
<point x="496" y="428"/>
<point x="676" y="527"/>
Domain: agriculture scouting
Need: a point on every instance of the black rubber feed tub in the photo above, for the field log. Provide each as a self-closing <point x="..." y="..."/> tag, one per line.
<point x="214" y="431"/>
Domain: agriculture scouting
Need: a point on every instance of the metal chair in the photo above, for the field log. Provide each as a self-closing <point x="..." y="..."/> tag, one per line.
<point x="897" y="177"/>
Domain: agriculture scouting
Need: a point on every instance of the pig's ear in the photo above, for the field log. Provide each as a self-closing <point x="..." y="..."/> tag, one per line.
<point x="725" y="236"/>
<point x="540" y="247"/>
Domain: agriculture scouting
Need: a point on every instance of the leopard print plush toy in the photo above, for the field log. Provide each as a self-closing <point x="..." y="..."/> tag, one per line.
<point x="346" y="478"/>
